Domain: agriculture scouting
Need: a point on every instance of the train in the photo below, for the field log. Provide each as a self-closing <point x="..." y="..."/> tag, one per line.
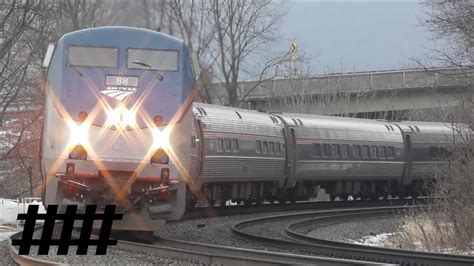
<point x="120" y="127"/>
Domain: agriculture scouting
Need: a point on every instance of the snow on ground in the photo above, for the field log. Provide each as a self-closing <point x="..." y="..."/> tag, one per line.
<point x="4" y="234"/>
<point x="379" y="240"/>
<point x="383" y="240"/>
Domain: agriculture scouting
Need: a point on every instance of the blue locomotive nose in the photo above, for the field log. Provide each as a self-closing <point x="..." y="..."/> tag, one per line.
<point x="108" y="139"/>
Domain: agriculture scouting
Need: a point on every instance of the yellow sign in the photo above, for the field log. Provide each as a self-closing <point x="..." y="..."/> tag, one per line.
<point x="293" y="48"/>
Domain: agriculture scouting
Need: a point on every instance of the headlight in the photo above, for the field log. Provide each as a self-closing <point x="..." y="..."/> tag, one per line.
<point x="160" y="138"/>
<point x="77" y="133"/>
<point x="121" y="117"/>
<point x="128" y="118"/>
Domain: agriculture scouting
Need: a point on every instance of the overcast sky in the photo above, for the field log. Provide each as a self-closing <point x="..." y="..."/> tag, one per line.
<point x="355" y="35"/>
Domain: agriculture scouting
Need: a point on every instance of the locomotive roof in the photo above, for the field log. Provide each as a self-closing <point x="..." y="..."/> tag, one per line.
<point x="108" y="37"/>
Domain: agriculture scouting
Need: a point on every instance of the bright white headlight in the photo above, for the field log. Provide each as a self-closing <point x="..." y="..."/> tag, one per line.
<point x="77" y="133"/>
<point x="160" y="138"/>
<point x="120" y="117"/>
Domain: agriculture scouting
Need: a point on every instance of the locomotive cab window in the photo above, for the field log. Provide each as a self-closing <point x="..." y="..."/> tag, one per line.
<point x="90" y="56"/>
<point x="163" y="60"/>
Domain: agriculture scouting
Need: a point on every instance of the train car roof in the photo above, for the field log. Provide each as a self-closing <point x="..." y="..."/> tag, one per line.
<point x="235" y="120"/>
<point x="435" y="132"/>
<point x="429" y="127"/>
<point x="218" y="111"/>
<point x="307" y="120"/>
<point x="143" y="37"/>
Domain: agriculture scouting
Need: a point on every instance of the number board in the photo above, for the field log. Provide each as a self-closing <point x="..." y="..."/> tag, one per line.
<point x="124" y="81"/>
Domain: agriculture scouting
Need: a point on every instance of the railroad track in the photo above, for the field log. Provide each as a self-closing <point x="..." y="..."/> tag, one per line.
<point x="26" y="260"/>
<point x="193" y="252"/>
<point x="204" y="253"/>
<point x="199" y="253"/>
<point x="294" y="238"/>
<point x="222" y="255"/>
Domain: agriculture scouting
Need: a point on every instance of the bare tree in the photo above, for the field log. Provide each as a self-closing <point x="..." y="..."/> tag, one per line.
<point x="194" y="25"/>
<point x="242" y="29"/>
<point x="447" y="224"/>
<point x="452" y="22"/>
<point x="23" y="28"/>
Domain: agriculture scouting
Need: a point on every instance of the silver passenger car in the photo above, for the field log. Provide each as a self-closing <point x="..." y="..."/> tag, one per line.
<point x="346" y="156"/>
<point x="251" y="156"/>
<point x="428" y="145"/>
<point x="237" y="154"/>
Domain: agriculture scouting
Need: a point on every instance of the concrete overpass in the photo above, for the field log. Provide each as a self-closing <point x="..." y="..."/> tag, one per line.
<point x="356" y="93"/>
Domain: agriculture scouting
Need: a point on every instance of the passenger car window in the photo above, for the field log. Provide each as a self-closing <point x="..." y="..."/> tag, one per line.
<point x="259" y="146"/>
<point x="220" y="144"/>
<point x="316" y="150"/>
<point x="277" y="147"/>
<point x="227" y="145"/>
<point x="326" y="150"/>
<point x="390" y="152"/>
<point x="355" y="151"/>
<point x="265" y="147"/>
<point x="344" y="150"/>
<point x="382" y="152"/>
<point x="365" y="151"/>
<point x="335" y="151"/>
<point x="271" y="147"/>
<point x="235" y="144"/>
<point x="373" y="152"/>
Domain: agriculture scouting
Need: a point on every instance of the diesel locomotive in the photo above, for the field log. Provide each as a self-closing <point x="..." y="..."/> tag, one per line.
<point x="117" y="123"/>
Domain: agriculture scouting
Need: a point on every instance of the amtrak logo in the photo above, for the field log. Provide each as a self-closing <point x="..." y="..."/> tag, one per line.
<point x="118" y="93"/>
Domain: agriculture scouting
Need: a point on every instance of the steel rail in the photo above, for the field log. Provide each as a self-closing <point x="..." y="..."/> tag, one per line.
<point x="297" y="240"/>
<point x="25" y="259"/>
<point x="193" y="252"/>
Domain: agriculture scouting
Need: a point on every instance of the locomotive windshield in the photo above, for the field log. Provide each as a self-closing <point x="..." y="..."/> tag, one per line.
<point x="163" y="60"/>
<point x="88" y="56"/>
